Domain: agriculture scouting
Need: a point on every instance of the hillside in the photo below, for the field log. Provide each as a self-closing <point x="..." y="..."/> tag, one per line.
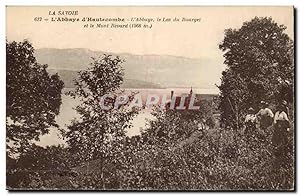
<point x="68" y="76"/>
<point x="147" y="70"/>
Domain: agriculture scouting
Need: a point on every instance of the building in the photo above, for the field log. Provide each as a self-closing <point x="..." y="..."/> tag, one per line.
<point x="186" y="98"/>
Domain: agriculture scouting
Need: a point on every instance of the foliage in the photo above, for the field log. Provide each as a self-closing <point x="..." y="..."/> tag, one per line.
<point x="90" y="136"/>
<point x="217" y="160"/>
<point x="33" y="97"/>
<point x="38" y="167"/>
<point x="259" y="57"/>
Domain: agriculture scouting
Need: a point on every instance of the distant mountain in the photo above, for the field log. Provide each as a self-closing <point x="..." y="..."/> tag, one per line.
<point x="147" y="71"/>
<point x="68" y="76"/>
<point x="131" y="83"/>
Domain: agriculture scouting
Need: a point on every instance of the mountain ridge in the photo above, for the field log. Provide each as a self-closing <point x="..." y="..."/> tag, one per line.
<point x="121" y="53"/>
<point x="160" y="70"/>
<point x="68" y="77"/>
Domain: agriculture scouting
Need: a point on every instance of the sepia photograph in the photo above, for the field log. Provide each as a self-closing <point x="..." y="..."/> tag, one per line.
<point x="150" y="98"/>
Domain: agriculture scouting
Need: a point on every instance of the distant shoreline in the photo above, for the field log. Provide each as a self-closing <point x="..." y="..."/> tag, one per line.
<point x="201" y="91"/>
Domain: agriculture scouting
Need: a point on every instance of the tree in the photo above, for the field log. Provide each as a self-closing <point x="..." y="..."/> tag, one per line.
<point x="90" y="137"/>
<point x="33" y="97"/>
<point x="259" y="59"/>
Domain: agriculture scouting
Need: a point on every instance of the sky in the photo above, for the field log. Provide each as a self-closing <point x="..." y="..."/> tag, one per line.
<point x="194" y="40"/>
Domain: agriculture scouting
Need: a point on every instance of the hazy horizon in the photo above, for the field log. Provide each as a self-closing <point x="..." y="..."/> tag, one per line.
<point x="194" y="47"/>
<point x="157" y="71"/>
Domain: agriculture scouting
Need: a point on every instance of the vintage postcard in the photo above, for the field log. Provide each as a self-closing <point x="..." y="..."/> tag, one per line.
<point x="170" y="98"/>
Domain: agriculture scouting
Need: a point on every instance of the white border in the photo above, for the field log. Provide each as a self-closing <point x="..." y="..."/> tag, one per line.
<point x="296" y="3"/>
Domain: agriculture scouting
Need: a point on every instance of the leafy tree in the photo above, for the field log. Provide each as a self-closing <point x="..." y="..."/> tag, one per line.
<point x="90" y="137"/>
<point x="259" y="59"/>
<point x="33" y="97"/>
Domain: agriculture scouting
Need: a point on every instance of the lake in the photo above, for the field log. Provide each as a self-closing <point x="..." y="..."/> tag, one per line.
<point x="67" y="112"/>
